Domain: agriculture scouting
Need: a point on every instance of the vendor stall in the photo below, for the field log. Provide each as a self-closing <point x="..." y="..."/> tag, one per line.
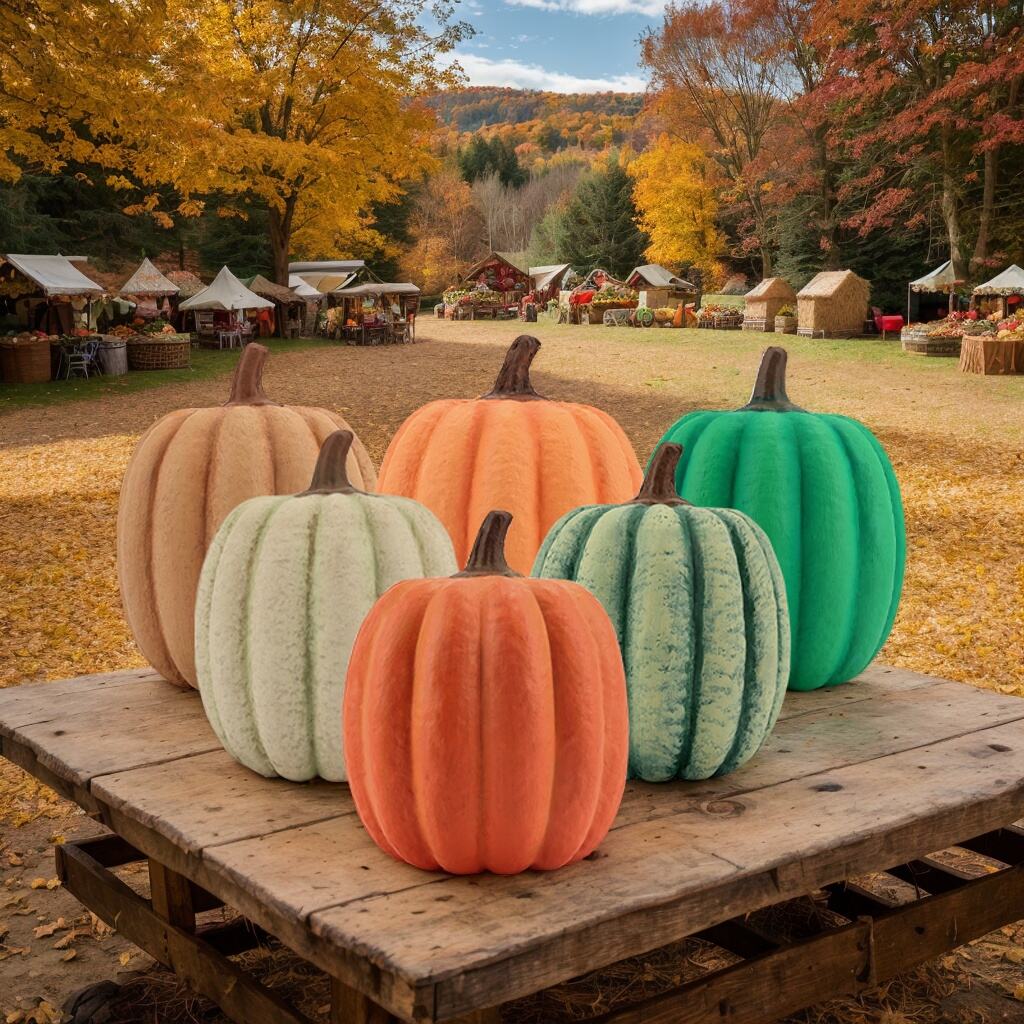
<point x="326" y="276"/>
<point x="494" y="286"/>
<point x="658" y="287"/>
<point x="933" y="296"/>
<point x="285" y="320"/>
<point x="47" y="293"/>
<point x="599" y="293"/>
<point x="1002" y="295"/>
<point x="220" y="309"/>
<point x="149" y="290"/>
<point x="374" y="313"/>
<point x="545" y="284"/>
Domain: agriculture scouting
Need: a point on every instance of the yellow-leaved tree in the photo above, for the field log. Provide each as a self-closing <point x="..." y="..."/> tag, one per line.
<point x="676" y="197"/>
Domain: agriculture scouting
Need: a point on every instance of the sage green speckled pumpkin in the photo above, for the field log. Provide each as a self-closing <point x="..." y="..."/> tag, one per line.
<point x="699" y="605"/>
<point x="284" y="589"/>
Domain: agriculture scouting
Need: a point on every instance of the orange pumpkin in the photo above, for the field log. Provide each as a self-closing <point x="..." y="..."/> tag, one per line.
<point x="189" y="470"/>
<point x="485" y="719"/>
<point x="677" y="317"/>
<point x="514" y="449"/>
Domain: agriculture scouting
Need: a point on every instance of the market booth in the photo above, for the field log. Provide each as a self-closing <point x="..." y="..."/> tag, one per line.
<point x="219" y="310"/>
<point x="546" y="283"/>
<point x="932" y="296"/>
<point x="374" y="313"/>
<point x="492" y="288"/>
<point x="996" y="342"/>
<point x="48" y="297"/>
<point x="286" y="318"/>
<point x="658" y="287"/>
<point x="598" y="294"/>
<point x="327" y="276"/>
<point x="149" y="290"/>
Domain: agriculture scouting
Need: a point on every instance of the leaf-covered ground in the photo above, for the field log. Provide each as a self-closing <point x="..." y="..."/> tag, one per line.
<point x="957" y="444"/>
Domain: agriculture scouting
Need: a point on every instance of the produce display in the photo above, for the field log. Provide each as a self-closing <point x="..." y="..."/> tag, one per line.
<point x="614" y="295"/>
<point x="187" y="473"/>
<point x="485" y="720"/>
<point x="511" y="448"/>
<point x="823" y="490"/>
<point x="710" y="310"/>
<point x="698" y="603"/>
<point x="956" y="325"/>
<point x="306" y="568"/>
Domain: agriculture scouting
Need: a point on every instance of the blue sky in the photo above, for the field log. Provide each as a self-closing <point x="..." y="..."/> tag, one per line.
<point x="557" y="45"/>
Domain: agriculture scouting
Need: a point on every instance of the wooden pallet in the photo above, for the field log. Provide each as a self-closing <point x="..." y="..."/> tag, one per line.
<point x="871" y="776"/>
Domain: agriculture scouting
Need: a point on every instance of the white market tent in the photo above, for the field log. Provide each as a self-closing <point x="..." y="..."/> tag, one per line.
<point x="1009" y="282"/>
<point x="941" y="279"/>
<point x="226" y="292"/>
<point x="55" y="275"/>
<point x="544" y="277"/>
<point x="148" y="281"/>
<point x="303" y="288"/>
<point x="327" y="275"/>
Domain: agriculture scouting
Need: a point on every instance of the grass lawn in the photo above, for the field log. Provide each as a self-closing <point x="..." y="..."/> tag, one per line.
<point x="956" y="443"/>
<point x="206" y="363"/>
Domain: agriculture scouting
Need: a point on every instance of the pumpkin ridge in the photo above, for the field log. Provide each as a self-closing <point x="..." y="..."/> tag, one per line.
<point x="584" y="539"/>
<point x="634" y="515"/>
<point x="312" y="535"/>
<point x="254" y="554"/>
<point x="472" y="441"/>
<point x="749" y="638"/>
<point x="211" y="460"/>
<point x="579" y="415"/>
<point x="543" y="837"/>
<point x="148" y="535"/>
<point x="697" y="618"/>
<point x="443" y="408"/>
<point x="689" y="443"/>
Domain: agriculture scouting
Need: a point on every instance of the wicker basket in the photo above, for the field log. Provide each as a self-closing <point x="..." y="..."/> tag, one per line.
<point x="174" y="353"/>
<point x="25" y="362"/>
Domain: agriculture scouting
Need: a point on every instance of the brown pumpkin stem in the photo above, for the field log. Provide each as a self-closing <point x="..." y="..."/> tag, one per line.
<point x="769" y="394"/>
<point x="330" y="475"/>
<point x="513" y="379"/>
<point x="659" y="486"/>
<point x="247" y="384"/>
<point x="488" y="555"/>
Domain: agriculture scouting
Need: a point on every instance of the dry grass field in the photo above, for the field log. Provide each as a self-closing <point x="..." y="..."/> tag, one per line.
<point x="957" y="444"/>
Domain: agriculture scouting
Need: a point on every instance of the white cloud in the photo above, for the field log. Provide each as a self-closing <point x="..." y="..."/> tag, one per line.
<point x="515" y="74"/>
<point x="648" y="8"/>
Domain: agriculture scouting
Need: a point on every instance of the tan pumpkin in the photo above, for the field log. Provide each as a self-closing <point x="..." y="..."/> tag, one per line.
<point x="188" y="471"/>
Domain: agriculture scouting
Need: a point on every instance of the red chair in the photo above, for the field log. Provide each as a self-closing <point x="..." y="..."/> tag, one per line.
<point x="885" y="323"/>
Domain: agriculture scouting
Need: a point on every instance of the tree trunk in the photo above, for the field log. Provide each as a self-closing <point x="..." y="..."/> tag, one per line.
<point x="281" y="238"/>
<point x="951" y="207"/>
<point x="988" y="198"/>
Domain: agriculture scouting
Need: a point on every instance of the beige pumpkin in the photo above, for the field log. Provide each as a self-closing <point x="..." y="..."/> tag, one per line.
<point x="188" y="472"/>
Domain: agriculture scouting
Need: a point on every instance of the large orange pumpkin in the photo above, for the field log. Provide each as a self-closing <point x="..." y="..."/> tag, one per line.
<point x="485" y="718"/>
<point x="188" y="471"/>
<point x="514" y="449"/>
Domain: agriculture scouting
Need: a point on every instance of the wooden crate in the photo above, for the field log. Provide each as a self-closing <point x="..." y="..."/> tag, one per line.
<point x="855" y="779"/>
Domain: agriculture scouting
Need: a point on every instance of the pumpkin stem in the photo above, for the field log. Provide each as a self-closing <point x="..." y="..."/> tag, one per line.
<point x="247" y="383"/>
<point x="488" y="555"/>
<point x="513" y="379"/>
<point x="769" y="394"/>
<point x="330" y="475"/>
<point x="659" y="486"/>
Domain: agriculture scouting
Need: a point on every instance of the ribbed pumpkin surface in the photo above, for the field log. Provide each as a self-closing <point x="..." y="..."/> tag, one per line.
<point x="285" y="588"/>
<point x="188" y="471"/>
<point x="486" y="724"/>
<point x="512" y="450"/>
<point x="824" y="491"/>
<point x="698" y="605"/>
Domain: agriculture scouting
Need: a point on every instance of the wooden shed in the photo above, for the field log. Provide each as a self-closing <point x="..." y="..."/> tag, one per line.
<point x="833" y="304"/>
<point x="659" y="287"/>
<point x="763" y="302"/>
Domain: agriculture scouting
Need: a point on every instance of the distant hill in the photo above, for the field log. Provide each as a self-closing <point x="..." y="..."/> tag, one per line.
<point x="541" y="124"/>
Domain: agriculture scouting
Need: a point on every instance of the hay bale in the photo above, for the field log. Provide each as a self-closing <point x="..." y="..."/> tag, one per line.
<point x="764" y="301"/>
<point x="833" y="304"/>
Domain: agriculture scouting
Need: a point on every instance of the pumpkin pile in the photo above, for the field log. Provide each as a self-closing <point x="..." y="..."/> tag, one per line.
<point x="606" y="625"/>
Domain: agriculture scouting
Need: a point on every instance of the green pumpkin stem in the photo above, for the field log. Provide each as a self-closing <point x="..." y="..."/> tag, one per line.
<point x="331" y="475"/>
<point x="769" y="394"/>
<point x="659" y="486"/>
<point x="247" y="383"/>
<point x="488" y="555"/>
<point x="513" y="379"/>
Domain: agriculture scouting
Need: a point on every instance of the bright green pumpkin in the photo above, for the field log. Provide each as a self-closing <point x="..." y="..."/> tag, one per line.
<point x="284" y="589"/>
<point x="699" y="606"/>
<point x="824" y="491"/>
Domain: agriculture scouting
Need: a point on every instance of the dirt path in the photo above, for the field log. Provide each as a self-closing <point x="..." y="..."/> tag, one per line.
<point x="956" y="443"/>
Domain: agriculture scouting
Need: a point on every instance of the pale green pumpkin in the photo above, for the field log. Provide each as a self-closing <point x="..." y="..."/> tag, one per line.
<point x="699" y="605"/>
<point x="284" y="589"/>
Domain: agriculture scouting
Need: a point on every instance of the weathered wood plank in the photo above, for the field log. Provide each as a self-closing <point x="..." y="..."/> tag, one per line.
<point x="656" y="882"/>
<point x="211" y="799"/>
<point x="171" y="896"/>
<point x="351" y="1007"/>
<point x="37" y="701"/>
<point x="198" y="965"/>
<point x="762" y="990"/>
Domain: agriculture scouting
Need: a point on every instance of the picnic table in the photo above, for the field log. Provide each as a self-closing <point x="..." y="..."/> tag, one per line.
<point x="871" y="776"/>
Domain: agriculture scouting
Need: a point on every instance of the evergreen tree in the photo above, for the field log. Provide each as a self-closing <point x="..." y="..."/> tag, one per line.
<point x="600" y="223"/>
<point x="483" y="157"/>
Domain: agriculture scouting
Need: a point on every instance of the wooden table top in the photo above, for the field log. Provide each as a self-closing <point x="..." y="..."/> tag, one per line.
<point x="855" y="778"/>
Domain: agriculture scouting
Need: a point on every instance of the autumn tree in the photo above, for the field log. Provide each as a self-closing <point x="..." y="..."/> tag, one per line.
<point x="719" y="69"/>
<point x="676" y="195"/>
